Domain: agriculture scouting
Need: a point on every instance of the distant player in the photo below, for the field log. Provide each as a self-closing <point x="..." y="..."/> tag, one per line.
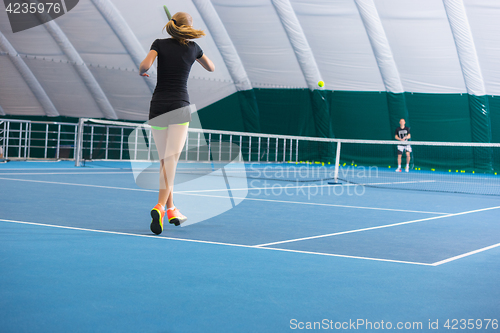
<point x="403" y="134"/>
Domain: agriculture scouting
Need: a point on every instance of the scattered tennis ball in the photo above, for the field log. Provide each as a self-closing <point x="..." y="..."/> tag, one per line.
<point x="433" y="169"/>
<point x="389" y="166"/>
<point x="322" y="163"/>
<point x="449" y="170"/>
<point x="321" y="83"/>
<point x="473" y="171"/>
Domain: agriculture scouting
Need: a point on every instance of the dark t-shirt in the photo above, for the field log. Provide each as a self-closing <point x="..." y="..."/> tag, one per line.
<point x="174" y="64"/>
<point x="401" y="132"/>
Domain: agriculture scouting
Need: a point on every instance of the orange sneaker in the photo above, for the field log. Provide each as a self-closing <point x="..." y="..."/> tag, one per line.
<point x="175" y="217"/>
<point x="157" y="213"/>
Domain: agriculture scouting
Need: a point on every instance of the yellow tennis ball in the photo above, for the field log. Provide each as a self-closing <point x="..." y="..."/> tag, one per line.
<point x="321" y="83"/>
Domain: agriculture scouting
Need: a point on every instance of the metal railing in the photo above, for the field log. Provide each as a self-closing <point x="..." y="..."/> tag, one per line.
<point x="112" y="140"/>
<point x="24" y="139"/>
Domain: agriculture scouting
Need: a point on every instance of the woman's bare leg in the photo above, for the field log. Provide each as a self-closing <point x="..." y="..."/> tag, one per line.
<point x="175" y="137"/>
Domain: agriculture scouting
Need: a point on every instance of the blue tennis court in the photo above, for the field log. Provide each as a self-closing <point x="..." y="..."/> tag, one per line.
<point x="77" y="255"/>
<point x="338" y="163"/>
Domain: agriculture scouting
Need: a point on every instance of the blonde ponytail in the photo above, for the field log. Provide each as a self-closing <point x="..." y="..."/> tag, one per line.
<point x="182" y="32"/>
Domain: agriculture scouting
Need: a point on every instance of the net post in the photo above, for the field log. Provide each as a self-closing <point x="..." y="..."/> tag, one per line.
<point x="79" y="142"/>
<point x="337" y="162"/>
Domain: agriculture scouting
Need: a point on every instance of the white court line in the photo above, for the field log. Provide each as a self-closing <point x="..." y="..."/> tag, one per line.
<point x="84" y="185"/>
<point x="377" y="227"/>
<point x="314" y="204"/>
<point x="225" y="197"/>
<point x="465" y="255"/>
<point x="215" y="243"/>
<point x="306" y="186"/>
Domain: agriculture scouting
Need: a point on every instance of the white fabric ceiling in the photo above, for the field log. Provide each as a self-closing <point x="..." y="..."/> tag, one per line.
<point x="426" y="46"/>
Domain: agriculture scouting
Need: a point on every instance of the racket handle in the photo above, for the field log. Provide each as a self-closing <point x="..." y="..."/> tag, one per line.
<point x="167" y="12"/>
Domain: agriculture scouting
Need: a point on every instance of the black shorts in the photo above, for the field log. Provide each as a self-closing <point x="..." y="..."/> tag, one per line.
<point x="157" y="109"/>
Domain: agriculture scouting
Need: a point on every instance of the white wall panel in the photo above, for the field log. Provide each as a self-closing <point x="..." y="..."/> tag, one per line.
<point x="261" y="42"/>
<point x="423" y="46"/>
<point x="484" y="20"/>
<point x="340" y="44"/>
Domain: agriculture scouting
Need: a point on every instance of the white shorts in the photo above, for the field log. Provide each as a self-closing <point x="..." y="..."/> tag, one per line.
<point x="401" y="149"/>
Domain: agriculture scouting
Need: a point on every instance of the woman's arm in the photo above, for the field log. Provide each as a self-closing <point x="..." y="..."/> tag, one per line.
<point x="147" y="63"/>
<point x="206" y="63"/>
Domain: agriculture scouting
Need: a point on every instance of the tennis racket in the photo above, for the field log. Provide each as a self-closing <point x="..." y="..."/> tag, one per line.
<point x="167" y="12"/>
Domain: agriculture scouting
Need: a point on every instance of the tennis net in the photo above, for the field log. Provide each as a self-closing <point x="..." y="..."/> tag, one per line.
<point x="434" y="166"/>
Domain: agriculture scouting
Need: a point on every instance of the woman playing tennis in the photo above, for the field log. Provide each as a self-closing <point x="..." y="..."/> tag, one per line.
<point x="168" y="115"/>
